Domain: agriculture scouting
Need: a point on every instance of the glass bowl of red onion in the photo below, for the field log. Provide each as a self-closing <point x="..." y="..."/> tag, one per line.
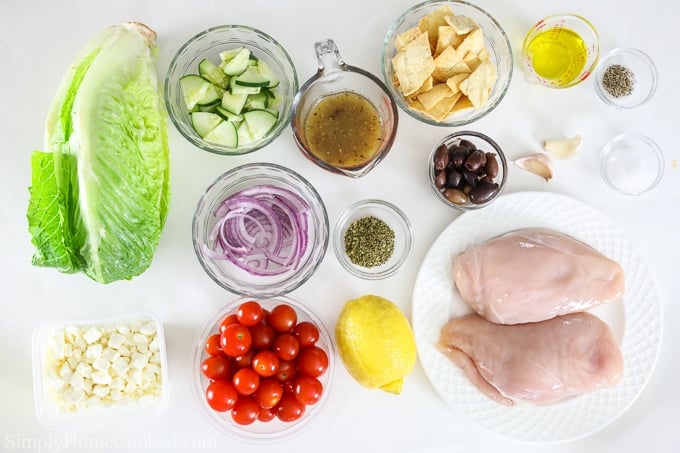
<point x="260" y="230"/>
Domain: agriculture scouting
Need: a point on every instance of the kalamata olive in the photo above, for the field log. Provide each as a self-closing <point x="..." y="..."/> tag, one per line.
<point x="441" y="157"/>
<point x="440" y="179"/>
<point x="486" y="180"/>
<point x="456" y="196"/>
<point x="458" y="156"/>
<point x="454" y="179"/>
<point x="475" y="160"/>
<point x="491" y="165"/>
<point x="470" y="178"/>
<point x="483" y="193"/>
<point x="467" y="145"/>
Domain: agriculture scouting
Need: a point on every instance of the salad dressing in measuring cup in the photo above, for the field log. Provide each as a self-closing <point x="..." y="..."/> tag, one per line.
<point x="560" y="51"/>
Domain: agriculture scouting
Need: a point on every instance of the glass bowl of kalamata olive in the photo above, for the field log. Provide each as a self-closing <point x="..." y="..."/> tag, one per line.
<point x="467" y="170"/>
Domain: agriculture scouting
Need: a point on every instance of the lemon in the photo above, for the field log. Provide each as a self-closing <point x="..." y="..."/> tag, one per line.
<point x="375" y="342"/>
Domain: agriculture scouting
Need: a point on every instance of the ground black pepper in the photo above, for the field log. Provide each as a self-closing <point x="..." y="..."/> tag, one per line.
<point x="618" y="81"/>
<point x="369" y="242"/>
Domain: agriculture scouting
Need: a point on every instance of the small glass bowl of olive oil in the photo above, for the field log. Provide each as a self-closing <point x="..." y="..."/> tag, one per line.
<point x="560" y="51"/>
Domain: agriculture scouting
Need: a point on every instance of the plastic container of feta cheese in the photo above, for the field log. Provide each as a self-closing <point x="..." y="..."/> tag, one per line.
<point x="93" y="369"/>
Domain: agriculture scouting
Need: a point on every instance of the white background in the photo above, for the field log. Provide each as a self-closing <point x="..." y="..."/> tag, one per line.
<point x="38" y="40"/>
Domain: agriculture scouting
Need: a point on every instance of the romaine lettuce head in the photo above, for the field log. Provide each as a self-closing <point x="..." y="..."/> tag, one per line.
<point x="99" y="192"/>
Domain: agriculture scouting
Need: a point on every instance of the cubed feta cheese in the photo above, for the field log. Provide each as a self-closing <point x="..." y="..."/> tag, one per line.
<point x="101" y="364"/>
<point x="94" y="351"/>
<point x="84" y="369"/>
<point x="116" y="340"/>
<point x="101" y="377"/>
<point x="92" y="334"/>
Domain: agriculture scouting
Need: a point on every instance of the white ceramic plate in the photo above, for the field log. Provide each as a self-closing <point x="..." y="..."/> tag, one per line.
<point x="636" y="321"/>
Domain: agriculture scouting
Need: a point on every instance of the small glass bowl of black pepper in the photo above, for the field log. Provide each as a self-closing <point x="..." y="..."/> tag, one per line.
<point x="626" y="78"/>
<point x="467" y="170"/>
<point x="372" y="239"/>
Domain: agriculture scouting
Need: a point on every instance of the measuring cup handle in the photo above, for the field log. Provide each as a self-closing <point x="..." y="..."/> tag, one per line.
<point x="328" y="56"/>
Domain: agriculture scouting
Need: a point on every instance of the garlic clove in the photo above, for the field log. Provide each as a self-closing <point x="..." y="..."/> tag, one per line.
<point x="563" y="148"/>
<point x="538" y="164"/>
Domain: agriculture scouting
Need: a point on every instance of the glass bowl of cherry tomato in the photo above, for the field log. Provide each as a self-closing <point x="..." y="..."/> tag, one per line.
<point x="262" y="368"/>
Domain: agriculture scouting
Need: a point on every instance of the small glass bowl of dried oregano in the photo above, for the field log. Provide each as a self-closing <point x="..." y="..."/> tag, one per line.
<point x="626" y="78"/>
<point x="372" y="239"/>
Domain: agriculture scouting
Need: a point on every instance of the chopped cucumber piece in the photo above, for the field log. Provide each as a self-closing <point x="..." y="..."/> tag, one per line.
<point x="204" y="122"/>
<point x="226" y="115"/>
<point x="259" y="122"/>
<point x="212" y="73"/>
<point x="227" y="55"/>
<point x="257" y="101"/>
<point x="241" y="89"/>
<point x="244" y="135"/>
<point x="273" y="112"/>
<point x="234" y="102"/>
<point x="267" y="73"/>
<point x="224" y="134"/>
<point x="208" y="108"/>
<point x="198" y="91"/>
<point x="238" y="64"/>
<point x="251" y="77"/>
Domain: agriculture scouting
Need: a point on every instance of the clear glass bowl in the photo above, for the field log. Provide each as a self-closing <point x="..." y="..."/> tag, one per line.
<point x="631" y="164"/>
<point x="208" y="44"/>
<point x="644" y="72"/>
<point x="48" y="406"/>
<point x="495" y="39"/>
<point x="481" y="142"/>
<point x="394" y="218"/>
<point x="233" y="278"/>
<point x="274" y="430"/>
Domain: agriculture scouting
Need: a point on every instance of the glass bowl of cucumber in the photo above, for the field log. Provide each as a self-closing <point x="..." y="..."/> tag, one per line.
<point x="229" y="89"/>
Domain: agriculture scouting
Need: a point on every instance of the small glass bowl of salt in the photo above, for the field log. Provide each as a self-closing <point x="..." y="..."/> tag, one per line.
<point x="626" y="78"/>
<point x="631" y="164"/>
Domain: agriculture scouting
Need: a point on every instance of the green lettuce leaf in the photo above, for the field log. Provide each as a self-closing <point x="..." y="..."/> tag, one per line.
<point x="100" y="192"/>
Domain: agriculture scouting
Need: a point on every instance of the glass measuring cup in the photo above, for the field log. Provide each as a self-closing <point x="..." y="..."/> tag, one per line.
<point x="335" y="77"/>
<point x="560" y="51"/>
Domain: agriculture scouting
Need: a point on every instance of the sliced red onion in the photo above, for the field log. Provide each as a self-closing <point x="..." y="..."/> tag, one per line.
<point x="261" y="229"/>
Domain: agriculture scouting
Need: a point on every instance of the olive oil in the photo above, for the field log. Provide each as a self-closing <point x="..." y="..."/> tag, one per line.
<point x="558" y="55"/>
<point x="344" y="130"/>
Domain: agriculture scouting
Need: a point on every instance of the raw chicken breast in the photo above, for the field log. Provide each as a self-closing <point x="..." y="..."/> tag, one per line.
<point x="541" y="362"/>
<point x="534" y="274"/>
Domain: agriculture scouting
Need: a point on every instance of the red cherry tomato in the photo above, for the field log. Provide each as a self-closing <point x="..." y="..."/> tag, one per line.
<point x="283" y="318"/>
<point x="221" y="395"/>
<point x="245" y="411"/>
<point x="263" y="336"/>
<point x="265" y="363"/>
<point x="268" y="393"/>
<point x="227" y="321"/>
<point x="307" y="389"/>
<point x="217" y="368"/>
<point x="288" y="387"/>
<point x="312" y="361"/>
<point x="235" y="340"/>
<point x="306" y="333"/>
<point x="289" y="408"/>
<point x="245" y="360"/>
<point x="249" y="313"/>
<point x="212" y="345"/>
<point x="246" y="381"/>
<point x="286" y="346"/>
<point x="266" y="415"/>
<point x="286" y="371"/>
